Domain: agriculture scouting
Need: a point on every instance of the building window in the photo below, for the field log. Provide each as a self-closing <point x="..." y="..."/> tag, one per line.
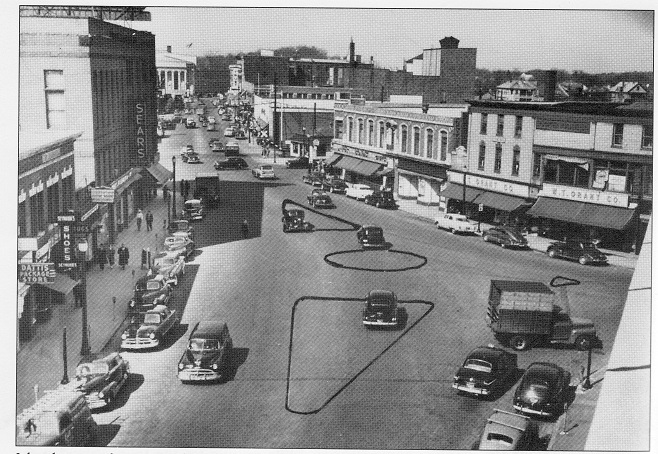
<point x="568" y="171"/>
<point x="518" y="127"/>
<point x="429" y="142"/>
<point x="536" y="165"/>
<point x="617" y="134"/>
<point x="483" y="123"/>
<point x="647" y="137"/>
<point x="516" y="159"/>
<point x="350" y="129"/>
<point x="55" y="105"/>
<point x="338" y="129"/>
<point x="416" y="147"/>
<point x="444" y="145"/>
<point x="371" y="132"/>
<point x="482" y="156"/>
<point x="498" y="158"/>
<point x="382" y="135"/>
<point x="390" y="136"/>
<point x="361" y="130"/>
<point x="176" y="80"/>
<point x="500" y="125"/>
<point x="403" y="139"/>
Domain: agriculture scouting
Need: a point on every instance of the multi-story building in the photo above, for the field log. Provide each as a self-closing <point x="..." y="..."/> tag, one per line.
<point x="235" y="75"/>
<point x="175" y="73"/>
<point x="585" y="167"/>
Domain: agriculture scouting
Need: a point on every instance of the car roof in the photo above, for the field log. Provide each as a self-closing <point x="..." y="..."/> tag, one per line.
<point x="160" y="308"/>
<point x="371" y="227"/>
<point x="379" y="294"/>
<point x="486" y="353"/>
<point x="209" y="329"/>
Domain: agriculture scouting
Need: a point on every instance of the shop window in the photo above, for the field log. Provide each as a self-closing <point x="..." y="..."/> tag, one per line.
<point x="500" y="125"/>
<point x="617" y="134"/>
<point x="371" y="132"/>
<point x="360" y="130"/>
<point x="516" y="158"/>
<point x="536" y="165"/>
<point x="498" y="159"/>
<point x="404" y="139"/>
<point x="550" y="171"/>
<point x="647" y="137"/>
<point x="350" y="129"/>
<point x="416" y="146"/>
<point x="444" y="145"/>
<point x="55" y="104"/>
<point x="482" y="156"/>
<point x="518" y="126"/>
<point x="36" y="213"/>
<point x="483" y="123"/>
<point x="567" y="171"/>
<point x="338" y="129"/>
<point x="382" y="134"/>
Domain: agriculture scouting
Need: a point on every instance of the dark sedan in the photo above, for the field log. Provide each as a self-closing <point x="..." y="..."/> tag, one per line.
<point x="337" y="185"/>
<point x="485" y="371"/>
<point x="231" y="163"/>
<point x="370" y="236"/>
<point x="543" y="390"/>
<point x="584" y="252"/>
<point x="299" y="163"/>
<point x="505" y="236"/>
<point x="381" y="199"/>
<point x="381" y="309"/>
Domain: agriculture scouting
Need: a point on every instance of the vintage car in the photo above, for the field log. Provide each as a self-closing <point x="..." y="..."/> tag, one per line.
<point x="155" y="324"/>
<point x="149" y="292"/>
<point x="185" y="150"/>
<point x="505" y="236"/>
<point x="333" y="184"/>
<point x="229" y="132"/>
<point x="507" y="431"/>
<point x="381" y="199"/>
<point x="217" y="146"/>
<point x="485" y="371"/>
<point x="60" y="418"/>
<point x="181" y="225"/>
<point x="264" y="172"/>
<point x="358" y="191"/>
<point x="370" y="236"/>
<point x="584" y="252"/>
<point x="208" y="353"/>
<point x="293" y="221"/>
<point x="189" y="155"/>
<point x="380" y="309"/>
<point x="232" y="148"/>
<point x="297" y="163"/>
<point x="180" y="243"/>
<point x="193" y="210"/>
<point x="231" y="163"/>
<point x="101" y="379"/>
<point x="543" y="390"/>
<point x="193" y="158"/>
<point x="455" y="222"/>
<point x="313" y="178"/>
<point x="320" y="199"/>
<point x="170" y="264"/>
<point x="190" y="123"/>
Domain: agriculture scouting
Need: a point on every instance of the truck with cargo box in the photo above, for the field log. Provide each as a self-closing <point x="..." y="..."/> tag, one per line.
<point x="523" y="313"/>
<point x="206" y="188"/>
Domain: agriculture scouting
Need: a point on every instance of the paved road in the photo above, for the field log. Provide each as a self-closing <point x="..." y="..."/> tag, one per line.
<point x="333" y="384"/>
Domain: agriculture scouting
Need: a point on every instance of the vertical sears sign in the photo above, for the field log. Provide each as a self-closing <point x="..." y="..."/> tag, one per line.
<point x="67" y="222"/>
<point x="140" y="131"/>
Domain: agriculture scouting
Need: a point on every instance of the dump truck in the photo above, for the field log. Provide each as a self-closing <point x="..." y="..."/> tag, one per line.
<point x="206" y="188"/>
<point x="524" y="313"/>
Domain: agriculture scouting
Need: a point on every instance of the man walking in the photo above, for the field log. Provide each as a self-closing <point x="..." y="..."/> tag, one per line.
<point x="102" y="256"/>
<point x="111" y="255"/>
<point x="245" y="229"/>
<point x="149" y="221"/>
<point x="140" y="218"/>
<point x="123" y="256"/>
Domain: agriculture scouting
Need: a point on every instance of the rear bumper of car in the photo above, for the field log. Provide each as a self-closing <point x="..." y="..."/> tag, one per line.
<point x="139" y="343"/>
<point x="380" y="322"/>
<point x="532" y="411"/>
<point x="197" y="374"/>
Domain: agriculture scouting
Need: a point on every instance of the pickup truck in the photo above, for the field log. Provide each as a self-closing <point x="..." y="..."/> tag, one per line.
<point x="264" y="172"/>
<point x="523" y="313"/>
<point x="456" y="223"/>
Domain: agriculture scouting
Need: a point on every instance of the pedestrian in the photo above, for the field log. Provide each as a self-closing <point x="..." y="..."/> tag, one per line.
<point x="111" y="251"/>
<point x="164" y="224"/>
<point x="102" y="256"/>
<point x="140" y="218"/>
<point x="182" y="189"/>
<point x="144" y="258"/>
<point x="149" y="221"/>
<point x="245" y="229"/>
<point x="165" y="194"/>
<point x="124" y="254"/>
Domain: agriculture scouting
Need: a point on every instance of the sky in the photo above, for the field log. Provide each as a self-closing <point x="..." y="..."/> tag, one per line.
<point x="589" y="40"/>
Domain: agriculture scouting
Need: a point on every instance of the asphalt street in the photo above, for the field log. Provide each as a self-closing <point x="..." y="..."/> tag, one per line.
<point x="306" y="373"/>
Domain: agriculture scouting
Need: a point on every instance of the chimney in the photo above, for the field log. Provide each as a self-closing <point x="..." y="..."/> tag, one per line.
<point x="425" y="108"/>
<point x="550" y="82"/>
<point x="372" y="60"/>
<point x="168" y="49"/>
<point x="352" y="51"/>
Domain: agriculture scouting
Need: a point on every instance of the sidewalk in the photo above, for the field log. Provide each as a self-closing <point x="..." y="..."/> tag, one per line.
<point x="40" y="361"/>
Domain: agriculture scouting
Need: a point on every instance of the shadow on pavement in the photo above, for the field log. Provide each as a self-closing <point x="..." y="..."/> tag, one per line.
<point x="132" y="384"/>
<point x="238" y="358"/>
<point x="105" y="433"/>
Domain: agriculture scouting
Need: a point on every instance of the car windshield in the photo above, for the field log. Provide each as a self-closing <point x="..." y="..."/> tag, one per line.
<point x="461" y="220"/>
<point x="153" y="285"/>
<point x="198" y="345"/>
<point x="152" y="318"/>
<point x="374" y="232"/>
<point x="500" y="438"/>
<point x="266" y="167"/>
<point x="478" y="365"/>
<point x="88" y="370"/>
<point x="515" y="235"/>
<point x="589" y="246"/>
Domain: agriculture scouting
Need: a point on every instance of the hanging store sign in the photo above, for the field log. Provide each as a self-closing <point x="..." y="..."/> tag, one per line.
<point x="67" y="222"/>
<point x="102" y="195"/>
<point x="140" y="132"/>
<point x="616" y="199"/>
<point x="361" y="154"/>
<point x="36" y="273"/>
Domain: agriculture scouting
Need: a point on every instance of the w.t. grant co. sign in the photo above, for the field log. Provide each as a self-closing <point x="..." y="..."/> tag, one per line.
<point x="616" y="199"/>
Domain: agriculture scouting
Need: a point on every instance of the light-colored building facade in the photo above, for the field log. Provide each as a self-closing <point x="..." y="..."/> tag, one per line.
<point x="175" y="73"/>
<point x="236" y="75"/>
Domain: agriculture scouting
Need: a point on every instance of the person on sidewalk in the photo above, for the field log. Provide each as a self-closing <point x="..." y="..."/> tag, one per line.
<point x="140" y="218"/>
<point x="149" y="221"/>
<point x="111" y="253"/>
<point x="245" y="229"/>
<point x="102" y="256"/>
<point x="124" y="254"/>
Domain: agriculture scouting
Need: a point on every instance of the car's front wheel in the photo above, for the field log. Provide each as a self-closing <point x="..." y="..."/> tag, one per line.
<point x="582" y="261"/>
<point x="486" y="238"/>
<point x="519" y="342"/>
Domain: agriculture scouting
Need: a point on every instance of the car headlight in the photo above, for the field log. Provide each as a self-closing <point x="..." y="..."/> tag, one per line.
<point x="101" y="395"/>
<point x="181" y="366"/>
<point x="214" y="366"/>
<point x="124" y="336"/>
<point x="152" y="336"/>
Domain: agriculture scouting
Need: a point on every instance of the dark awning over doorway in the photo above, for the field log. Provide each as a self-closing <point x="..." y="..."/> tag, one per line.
<point x="500" y="201"/>
<point x="158" y="172"/>
<point x="333" y="160"/>
<point x="456" y="191"/>
<point x="604" y="216"/>
<point x="63" y="284"/>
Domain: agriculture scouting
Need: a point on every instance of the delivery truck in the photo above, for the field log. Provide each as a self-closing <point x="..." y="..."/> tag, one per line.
<point x="206" y="188"/>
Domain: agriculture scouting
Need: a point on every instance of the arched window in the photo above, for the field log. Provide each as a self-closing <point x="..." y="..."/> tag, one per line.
<point x="516" y="160"/>
<point x="429" y="142"/>
<point x="361" y="130"/>
<point x="482" y="156"/>
<point x="498" y="159"/>
<point x="350" y="129"/>
<point x="416" y="144"/>
<point x="382" y="135"/>
<point x="404" y="139"/>
<point x="390" y="135"/>
<point x="444" y="145"/>
<point x="371" y="133"/>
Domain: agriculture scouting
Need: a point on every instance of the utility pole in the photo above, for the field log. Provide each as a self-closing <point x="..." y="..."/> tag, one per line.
<point x="274" y="129"/>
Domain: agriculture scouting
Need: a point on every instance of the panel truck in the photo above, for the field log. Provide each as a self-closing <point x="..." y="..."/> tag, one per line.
<point x="522" y="313"/>
<point x="206" y="188"/>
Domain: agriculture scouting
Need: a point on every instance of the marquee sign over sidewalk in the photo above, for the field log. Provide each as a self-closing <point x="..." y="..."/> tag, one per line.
<point x="36" y="273"/>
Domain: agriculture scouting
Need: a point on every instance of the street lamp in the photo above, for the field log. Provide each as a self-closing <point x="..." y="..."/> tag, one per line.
<point x="173" y="199"/>
<point x="84" y="349"/>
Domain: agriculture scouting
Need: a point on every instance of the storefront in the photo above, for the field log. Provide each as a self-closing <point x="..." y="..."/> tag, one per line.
<point x="126" y="196"/>
<point x="420" y="181"/>
<point x="361" y="166"/>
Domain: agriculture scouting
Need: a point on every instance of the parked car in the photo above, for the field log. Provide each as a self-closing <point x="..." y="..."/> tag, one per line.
<point x="264" y="172"/>
<point x="156" y="324"/>
<point x="229" y="132"/>
<point x="370" y="236"/>
<point x="190" y="123"/>
<point x="190" y="155"/>
<point x="456" y="223"/>
<point x="486" y="370"/>
<point x="231" y="163"/>
<point x="193" y="210"/>
<point x="381" y="199"/>
<point x="380" y="309"/>
<point x="298" y="163"/>
<point x="506" y="431"/>
<point x="584" y="252"/>
<point x="313" y="178"/>
<point x="333" y="184"/>
<point x="101" y="380"/>
<point x="320" y="199"/>
<point x="358" y="191"/>
<point x="180" y="243"/>
<point x="170" y="264"/>
<point x="193" y="158"/>
<point x="181" y="225"/>
<point x="149" y="292"/>
<point x="543" y="390"/>
<point x="232" y="148"/>
<point x="505" y="236"/>
<point x="208" y="353"/>
<point x="293" y="221"/>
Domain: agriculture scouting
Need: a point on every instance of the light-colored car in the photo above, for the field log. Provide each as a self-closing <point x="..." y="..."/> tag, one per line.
<point x="456" y="223"/>
<point x="506" y="431"/>
<point x="264" y="172"/>
<point x="358" y="191"/>
<point x="170" y="264"/>
<point x="179" y="244"/>
<point x="229" y="132"/>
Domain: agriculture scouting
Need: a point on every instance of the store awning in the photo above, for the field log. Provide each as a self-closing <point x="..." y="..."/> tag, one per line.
<point x="63" y="284"/>
<point x="126" y="184"/>
<point x="500" y="201"/>
<point x="333" y="160"/>
<point x="603" y="216"/>
<point x="456" y="191"/>
<point x="348" y="163"/>
<point x="158" y="172"/>
<point x="262" y="124"/>
<point x="367" y="168"/>
<point x="386" y="171"/>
